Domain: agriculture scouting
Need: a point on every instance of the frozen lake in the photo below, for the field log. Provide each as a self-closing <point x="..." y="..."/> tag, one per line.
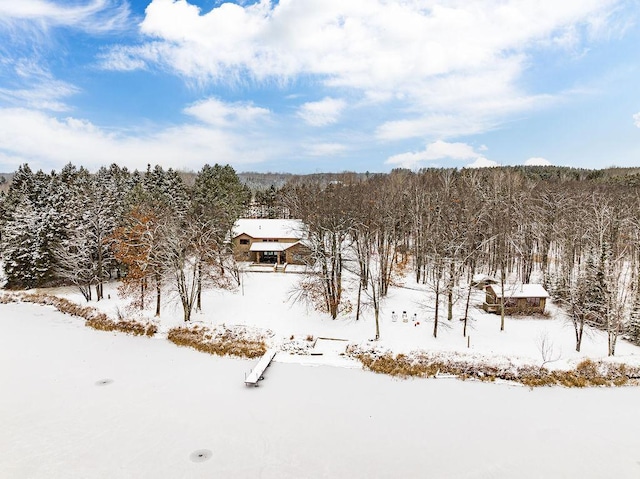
<point x="75" y="402"/>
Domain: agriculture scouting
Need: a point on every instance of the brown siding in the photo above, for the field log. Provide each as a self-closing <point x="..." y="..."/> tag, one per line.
<point x="292" y="255"/>
<point x="512" y="305"/>
<point x="241" y="251"/>
<point x="296" y="254"/>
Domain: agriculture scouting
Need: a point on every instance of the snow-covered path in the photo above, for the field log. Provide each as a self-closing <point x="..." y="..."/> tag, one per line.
<point x="75" y="402"/>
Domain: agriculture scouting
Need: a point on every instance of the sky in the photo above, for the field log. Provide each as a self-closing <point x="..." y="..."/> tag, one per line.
<point x="306" y="86"/>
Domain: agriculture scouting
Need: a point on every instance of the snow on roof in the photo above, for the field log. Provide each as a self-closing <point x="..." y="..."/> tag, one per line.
<point x="269" y="228"/>
<point x="483" y="278"/>
<point x="480" y="277"/>
<point x="269" y="246"/>
<point x="521" y="291"/>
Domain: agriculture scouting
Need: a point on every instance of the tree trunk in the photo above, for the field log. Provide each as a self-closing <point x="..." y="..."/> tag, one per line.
<point x="466" y="312"/>
<point x="611" y="344"/>
<point x="86" y="292"/>
<point x="450" y="292"/>
<point x="502" y="297"/>
<point x="579" y="328"/>
<point x="158" y="292"/>
<point x="377" y="314"/>
<point x="199" y="292"/>
<point x="359" y="296"/>
<point x="435" y="319"/>
<point x="100" y="272"/>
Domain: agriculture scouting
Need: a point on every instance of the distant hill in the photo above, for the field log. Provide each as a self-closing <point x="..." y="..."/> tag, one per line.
<point x="261" y="181"/>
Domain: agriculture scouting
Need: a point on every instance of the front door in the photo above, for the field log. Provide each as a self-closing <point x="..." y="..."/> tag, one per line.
<point x="270" y="257"/>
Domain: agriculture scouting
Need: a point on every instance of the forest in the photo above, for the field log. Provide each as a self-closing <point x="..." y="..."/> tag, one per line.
<point x="577" y="232"/>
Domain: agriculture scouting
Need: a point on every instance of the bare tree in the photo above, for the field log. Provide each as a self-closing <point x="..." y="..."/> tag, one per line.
<point x="547" y="349"/>
<point x="324" y="211"/>
<point x="75" y="261"/>
<point x="375" y="242"/>
<point x="138" y="244"/>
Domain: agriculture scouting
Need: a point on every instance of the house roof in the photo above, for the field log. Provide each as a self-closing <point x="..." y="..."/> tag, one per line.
<point x="483" y="280"/>
<point x="520" y="291"/>
<point x="269" y="246"/>
<point x="269" y="228"/>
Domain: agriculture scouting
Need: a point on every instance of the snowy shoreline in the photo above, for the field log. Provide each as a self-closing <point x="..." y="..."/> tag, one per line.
<point x="261" y="310"/>
<point x="251" y="342"/>
<point x="85" y="403"/>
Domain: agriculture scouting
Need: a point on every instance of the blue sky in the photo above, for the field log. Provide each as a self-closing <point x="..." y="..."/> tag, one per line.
<point x="319" y="85"/>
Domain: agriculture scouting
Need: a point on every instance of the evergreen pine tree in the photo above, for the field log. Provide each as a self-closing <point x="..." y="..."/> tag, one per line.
<point x="594" y="293"/>
<point x="28" y="230"/>
<point x="633" y="328"/>
<point x="19" y="245"/>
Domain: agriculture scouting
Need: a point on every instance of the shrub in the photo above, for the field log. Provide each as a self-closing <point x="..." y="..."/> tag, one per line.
<point x="587" y="373"/>
<point x="220" y="341"/>
<point x="103" y="323"/>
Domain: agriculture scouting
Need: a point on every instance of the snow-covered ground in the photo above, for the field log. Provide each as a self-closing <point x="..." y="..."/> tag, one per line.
<point x="80" y="403"/>
<point x="264" y="302"/>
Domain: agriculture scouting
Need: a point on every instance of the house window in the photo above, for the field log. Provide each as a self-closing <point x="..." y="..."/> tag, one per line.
<point x="533" y="302"/>
<point x="244" y="241"/>
<point x="509" y="303"/>
<point x="269" y="257"/>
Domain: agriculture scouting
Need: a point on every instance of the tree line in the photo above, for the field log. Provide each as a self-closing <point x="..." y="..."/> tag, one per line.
<point x="575" y="231"/>
<point x="148" y="228"/>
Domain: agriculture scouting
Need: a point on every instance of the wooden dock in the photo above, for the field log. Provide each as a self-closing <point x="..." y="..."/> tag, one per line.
<point x="256" y="374"/>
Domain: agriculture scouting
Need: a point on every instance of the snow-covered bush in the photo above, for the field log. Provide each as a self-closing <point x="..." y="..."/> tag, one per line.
<point x="421" y="364"/>
<point x="237" y="341"/>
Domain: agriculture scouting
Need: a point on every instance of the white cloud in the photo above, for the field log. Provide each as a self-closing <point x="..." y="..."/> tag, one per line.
<point x="221" y="114"/>
<point x="26" y="45"/>
<point x="48" y="142"/>
<point x="435" y="59"/>
<point x="636" y="119"/>
<point x="430" y="69"/>
<point x="325" y="149"/>
<point x="40" y="89"/>
<point x="438" y="150"/>
<point x="361" y="43"/>
<point x="93" y="15"/>
<point x="323" y="112"/>
<point x="482" y="162"/>
<point x="128" y="58"/>
<point x="434" y="125"/>
<point x="537" y="161"/>
<point x="119" y="59"/>
<point x="463" y="104"/>
<point x="42" y="97"/>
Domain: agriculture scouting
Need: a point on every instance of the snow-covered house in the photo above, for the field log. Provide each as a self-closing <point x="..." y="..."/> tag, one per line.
<point x="522" y="298"/>
<point x="271" y="241"/>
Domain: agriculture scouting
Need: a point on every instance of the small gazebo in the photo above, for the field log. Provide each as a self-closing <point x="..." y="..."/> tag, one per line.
<point x="518" y="299"/>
